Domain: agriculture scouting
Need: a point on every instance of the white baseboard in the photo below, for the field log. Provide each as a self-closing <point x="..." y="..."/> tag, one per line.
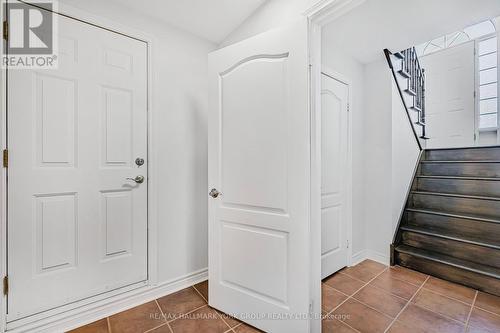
<point x="87" y="314"/>
<point x="369" y="254"/>
<point x="359" y="257"/>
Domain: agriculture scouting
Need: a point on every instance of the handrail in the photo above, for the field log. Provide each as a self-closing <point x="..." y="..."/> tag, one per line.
<point x="388" y="55"/>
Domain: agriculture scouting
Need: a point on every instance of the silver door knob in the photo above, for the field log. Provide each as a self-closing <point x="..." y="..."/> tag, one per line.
<point x="214" y="193"/>
<point x="138" y="179"/>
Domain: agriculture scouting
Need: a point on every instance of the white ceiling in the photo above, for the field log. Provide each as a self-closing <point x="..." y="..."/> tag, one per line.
<point x="209" y="19"/>
<point x="399" y="24"/>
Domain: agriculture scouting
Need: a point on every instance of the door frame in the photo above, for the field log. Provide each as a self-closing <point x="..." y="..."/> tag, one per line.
<point x="94" y="304"/>
<point x="348" y="167"/>
<point x="321" y="14"/>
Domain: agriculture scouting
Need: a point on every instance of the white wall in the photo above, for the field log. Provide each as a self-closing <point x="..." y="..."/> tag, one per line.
<point x="333" y="59"/>
<point x="378" y="158"/>
<point x="390" y="156"/>
<point x="273" y="14"/>
<point x="405" y="154"/>
<point x="179" y="63"/>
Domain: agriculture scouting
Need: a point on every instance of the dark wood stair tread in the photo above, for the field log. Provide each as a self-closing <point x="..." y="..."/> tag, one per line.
<point x="454" y="195"/>
<point x="460" y="178"/>
<point x="451" y="261"/>
<point x="458" y="161"/>
<point x="461" y="216"/>
<point x="449" y="236"/>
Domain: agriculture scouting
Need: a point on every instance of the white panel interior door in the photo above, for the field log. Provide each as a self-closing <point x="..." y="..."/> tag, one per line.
<point x="334" y="175"/>
<point x="76" y="226"/>
<point x="259" y="159"/>
<point x="450" y="104"/>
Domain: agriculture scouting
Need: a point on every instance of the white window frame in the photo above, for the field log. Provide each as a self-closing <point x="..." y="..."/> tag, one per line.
<point x="477" y="94"/>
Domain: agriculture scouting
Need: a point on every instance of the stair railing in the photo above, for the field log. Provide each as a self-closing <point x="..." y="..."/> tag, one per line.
<point x="416" y="84"/>
<point x="415" y="75"/>
<point x="416" y="79"/>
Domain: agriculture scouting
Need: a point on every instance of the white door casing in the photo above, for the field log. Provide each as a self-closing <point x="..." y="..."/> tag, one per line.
<point x="259" y="159"/>
<point x="77" y="227"/>
<point x="450" y="103"/>
<point x="335" y="221"/>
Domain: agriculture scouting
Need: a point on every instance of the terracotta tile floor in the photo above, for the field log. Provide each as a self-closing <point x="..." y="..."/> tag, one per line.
<point x="185" y="311"/>
<point x="366" y="298"/>
<point x="371" y="297"/>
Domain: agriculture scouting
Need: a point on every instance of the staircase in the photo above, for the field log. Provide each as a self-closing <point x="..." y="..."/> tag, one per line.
<point x="450" y="227"/>
<point x="409" y="77"/>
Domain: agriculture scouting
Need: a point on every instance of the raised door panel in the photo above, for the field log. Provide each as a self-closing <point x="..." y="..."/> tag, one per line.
<point x="55" y="121"/>
<point x="117" y="127"/>
<point x="56" y="231"/>
<point x="254" y="134"/>
<point x="117" y="217"/>
<point x="269" y="258"/>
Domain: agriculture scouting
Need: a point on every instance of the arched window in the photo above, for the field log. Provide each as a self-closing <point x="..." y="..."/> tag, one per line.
<point x="473" y="32"/>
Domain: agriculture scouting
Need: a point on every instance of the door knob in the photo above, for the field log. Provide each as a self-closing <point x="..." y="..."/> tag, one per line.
<point x="138" y="179"/>
<point x="214" y="193"/>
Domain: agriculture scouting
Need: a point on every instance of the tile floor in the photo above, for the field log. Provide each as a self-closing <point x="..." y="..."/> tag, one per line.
<point x="371" y="297"/>
<point x="185" y="311"/>
<point x="366" y="298"/>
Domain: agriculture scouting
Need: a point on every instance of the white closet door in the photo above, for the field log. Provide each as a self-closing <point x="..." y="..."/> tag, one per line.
<point x="259" y="160"/>
<point x="76" y="226"/>
<point x="334" y="180"/>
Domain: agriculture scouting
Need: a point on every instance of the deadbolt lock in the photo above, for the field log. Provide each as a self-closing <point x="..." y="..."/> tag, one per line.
<point x="139" y="161"/>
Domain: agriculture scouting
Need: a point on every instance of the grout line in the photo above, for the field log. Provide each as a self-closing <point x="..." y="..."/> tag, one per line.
<point x="352" y="277"/>
<point x="184" y="315"/>
<point x="493" y="313"/>
<point x="436" y="292"/>
<point x="163" y="316"/>
<point x="218" y="314"/>
<point x="349" y="297"/>
<point x="389" y="292"/>
<point x="196" y="289"/>
<point x="109" y="325"/>
<point x="162" y="325"/>
<point x="159" y="307"/>
<point x="222" y="318"/>
<point x="440" y="314"/>
<point x="346" y="324"/>
<point x="449" y="297"/>
<point x="470" y="312"/>
<point x="406" y="305"/>
<point x="324" y="284"/>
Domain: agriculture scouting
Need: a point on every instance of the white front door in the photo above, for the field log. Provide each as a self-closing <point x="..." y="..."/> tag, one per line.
<point x="449" y="96"/>
<point x="259" y="160"/>
<point x="334" y="175"/>
<point x="76" y="226"/>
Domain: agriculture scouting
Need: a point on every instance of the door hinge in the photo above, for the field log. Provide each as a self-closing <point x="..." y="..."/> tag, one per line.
<point x="6" y="30"/>
<point x="311" y="306"/>
<point x="6" y="285"/>
<point x="347" y="243"/>
<point x="348" y="107"/>
<point x="5" y="158"/>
